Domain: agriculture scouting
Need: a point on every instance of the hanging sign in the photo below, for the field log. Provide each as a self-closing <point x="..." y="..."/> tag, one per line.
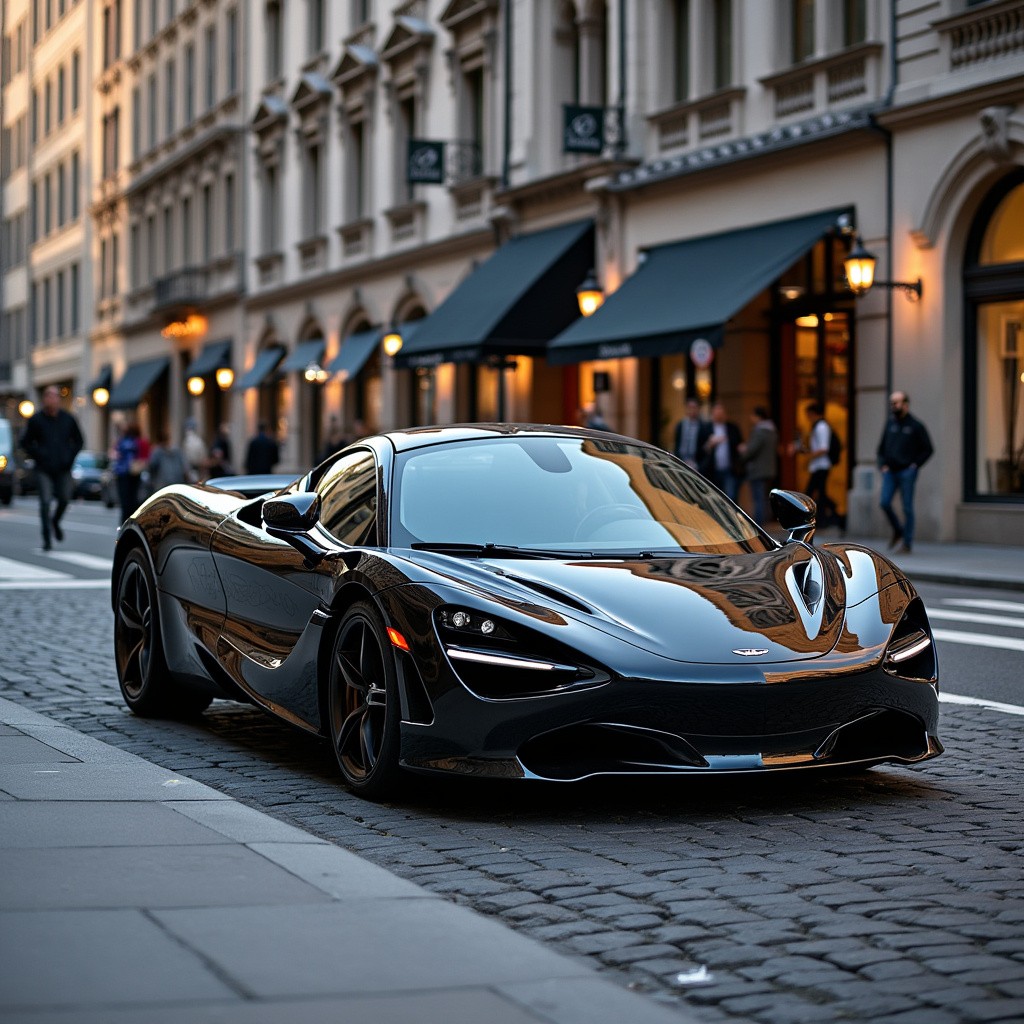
<point x="582" y="129"/>
<point x="701" y="353"/>
<point x="425" y="162"/>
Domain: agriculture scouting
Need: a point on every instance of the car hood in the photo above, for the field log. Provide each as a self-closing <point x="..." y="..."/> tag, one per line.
<point x="776" y="606"/>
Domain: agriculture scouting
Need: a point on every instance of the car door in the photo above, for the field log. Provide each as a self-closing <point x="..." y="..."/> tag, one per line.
<point x="275" y="601"/>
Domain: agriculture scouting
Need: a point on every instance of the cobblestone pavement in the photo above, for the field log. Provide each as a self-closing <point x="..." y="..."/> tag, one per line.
<point x="894" y="895"/>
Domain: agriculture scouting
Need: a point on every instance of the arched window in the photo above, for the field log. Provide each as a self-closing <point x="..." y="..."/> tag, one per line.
<point x="994" y="346"/>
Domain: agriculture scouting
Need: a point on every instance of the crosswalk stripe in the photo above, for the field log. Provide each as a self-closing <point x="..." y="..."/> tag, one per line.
<point x="67" y="583"/>
<point x="992" y="606"/>
<point x="12" y="570"/>
<point x="980" y="617"/>
<point x="992" y="705"/>
<point x="85" y="561"/>
<point x="955" y="636"/>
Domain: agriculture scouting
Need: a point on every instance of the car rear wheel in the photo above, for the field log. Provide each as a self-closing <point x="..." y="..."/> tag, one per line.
<point x="146" y="684"/>
<point x="363" y="703"/>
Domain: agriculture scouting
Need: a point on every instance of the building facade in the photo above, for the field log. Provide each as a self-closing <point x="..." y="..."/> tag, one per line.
<point x="280" y="186"/>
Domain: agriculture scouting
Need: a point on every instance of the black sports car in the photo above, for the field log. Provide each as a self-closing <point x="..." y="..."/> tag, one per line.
<point x="522" y="601"/>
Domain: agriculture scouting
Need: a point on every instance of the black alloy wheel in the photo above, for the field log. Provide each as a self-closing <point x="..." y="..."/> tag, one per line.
<point x="363" y="703"/>
<point x="142" y="672"/>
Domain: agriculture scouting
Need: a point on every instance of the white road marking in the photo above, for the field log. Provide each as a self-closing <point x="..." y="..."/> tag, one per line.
<point x="955" y="636"/>
<point x="988" y="620"/>
<point x="94" y="561"/>
<point x="992" y="705"/>
<point x="993" y="606"/>
<point x="76" y="527"/>
<point x="66" y="583"/>
<point x="12" y="570"/>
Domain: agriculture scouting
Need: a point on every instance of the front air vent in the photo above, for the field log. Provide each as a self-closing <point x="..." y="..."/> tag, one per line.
<point x="552" y="593"/>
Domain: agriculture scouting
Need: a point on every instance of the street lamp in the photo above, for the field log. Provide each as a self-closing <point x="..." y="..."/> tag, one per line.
<point x="860" y="274"/>
<point x="589" y="295"/>
<point x="196" y="386"/>
<point x="315" y="373"/>
<point x="392" y="342"/>
<point x="225" y="377"/>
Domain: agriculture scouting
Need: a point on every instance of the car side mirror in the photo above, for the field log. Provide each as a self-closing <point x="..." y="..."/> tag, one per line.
<point x="796" y="513"/>
<point x="290" y="518"/>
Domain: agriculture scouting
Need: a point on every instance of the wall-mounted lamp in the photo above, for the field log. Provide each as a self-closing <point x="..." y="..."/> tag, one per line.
<point x="589" y="295"/>
<point x="392" y="342"/>
<point x="860" y="274"/>
<point x="315" y="373"/>
<point x="225" y="377"/>
<point x="791" y="292"/>
<point x="196" y="386"/>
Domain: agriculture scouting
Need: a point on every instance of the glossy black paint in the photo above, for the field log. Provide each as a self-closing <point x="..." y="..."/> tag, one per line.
<point x="755" y="660"/>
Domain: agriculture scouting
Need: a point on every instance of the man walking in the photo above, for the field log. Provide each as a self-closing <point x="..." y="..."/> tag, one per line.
<point x="760" y="455"/>
<point x="52" y="438"/>
<point x="904" y="448"/>
<point x="263" y="452"/>
<point x="720" y="452"/>
<point x="690" y="434"/>
<point x="819" y="466"/>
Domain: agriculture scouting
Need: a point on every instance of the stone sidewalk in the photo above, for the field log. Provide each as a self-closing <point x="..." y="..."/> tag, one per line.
<point x="129" y="893"/>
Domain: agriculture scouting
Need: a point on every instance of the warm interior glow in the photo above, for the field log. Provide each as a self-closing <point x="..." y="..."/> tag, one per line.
<point x="811" y="320"/>
<point x="196" y="386"/>
<point x="225" y="377"/>
<point x="392" y="343"/>
<point x="192" y="326"/>
<point x="101" y="396"/>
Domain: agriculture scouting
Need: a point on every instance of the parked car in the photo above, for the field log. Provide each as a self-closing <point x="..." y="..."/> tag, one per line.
<point x="92" y="477"/>
<point x="523" y="602"/>
<point x="8" y="464"/>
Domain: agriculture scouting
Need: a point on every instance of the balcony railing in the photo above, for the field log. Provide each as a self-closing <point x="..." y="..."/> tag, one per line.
<point x="983" y="34"/>
<point x="186" y="287"/>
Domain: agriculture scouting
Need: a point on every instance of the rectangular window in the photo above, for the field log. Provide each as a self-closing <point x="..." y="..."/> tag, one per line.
<point x="681" y="51"/>
<point x="48" y="108"/>
<point x="723" y="44"/>
<point x="168" y="240"/>
<point x="150" y="248"/>
<point x="270" y="209"/>
<point x="37" y="22"/>
<point x="115" y="263"/>
<point x="33" y="330"/>
<point x="172" y="10"/>
<point x="356" y="171"/>
<point x="313" y="201"/>
<point x="186" y="232"/>
<point x="170" y="86"/>
<point x="35" y="116"/>
<point x="134" y="257"/>
<point x="229" y="213"/>
<point x="190" y="84"/>
<point x="802" y="30"/>
<point x="75" y="300"/>
<point x="151" y="105"/>
<point x="154" y="17"/>
<point x="33" y="226"/>
<point x="315" y="40"/>
<point x="232" y="54"/>
<point x="47" y="205"/>
<point x="207" y="223"/>
<point x="855" y="22"/>
<point x="47" y="309"/>
<point x="211" y="66"/>
<point x="76" y="171"/>
<point x="274" y="28"/>
<point x="61" y="87"/>
<point x="137" y="24"/>
<point x="76" y="76"/>
<point x="108" y="36"/>
<point x="60" y="310"/>
<point x="62" y="188"/>
<point x="6" y="152"/>
<point x="136" y="123"/>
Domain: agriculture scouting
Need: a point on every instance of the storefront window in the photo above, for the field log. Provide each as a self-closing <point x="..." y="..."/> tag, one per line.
<point x="994" y="285"/>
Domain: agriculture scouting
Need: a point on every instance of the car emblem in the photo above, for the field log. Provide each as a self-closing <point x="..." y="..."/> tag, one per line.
<point x="750" y="652"/>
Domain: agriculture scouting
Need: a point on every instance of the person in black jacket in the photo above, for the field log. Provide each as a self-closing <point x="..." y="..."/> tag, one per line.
<point x="719" y="458"/>
<point x="904" y="448"/>
<point x="263" y="452"/>
<point x="52" y="438"/>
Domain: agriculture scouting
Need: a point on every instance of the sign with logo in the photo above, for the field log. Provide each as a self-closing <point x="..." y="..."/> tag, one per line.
<point x="583" y="129"/>
<point x="425" y="163"/>
<point x="702" y="354"/>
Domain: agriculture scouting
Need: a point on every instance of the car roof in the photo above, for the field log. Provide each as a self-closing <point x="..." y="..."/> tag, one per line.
<point x="418" y="437"/>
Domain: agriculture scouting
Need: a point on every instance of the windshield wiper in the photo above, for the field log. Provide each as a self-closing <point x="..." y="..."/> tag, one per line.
<point x="491" y="550"/>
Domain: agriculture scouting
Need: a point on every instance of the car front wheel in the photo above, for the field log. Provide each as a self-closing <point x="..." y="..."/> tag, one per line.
<point x="363" y="703"/>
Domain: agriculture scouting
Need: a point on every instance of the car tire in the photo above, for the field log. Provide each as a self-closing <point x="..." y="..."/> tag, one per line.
<point x="363" y="706"/>
<point x="146" y="683"/>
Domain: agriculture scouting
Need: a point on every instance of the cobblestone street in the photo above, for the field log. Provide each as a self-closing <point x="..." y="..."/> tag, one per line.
<point x="891" y="895"/>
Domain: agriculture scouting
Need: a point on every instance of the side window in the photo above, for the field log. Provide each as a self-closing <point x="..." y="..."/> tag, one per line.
<point x="348" y="499"/>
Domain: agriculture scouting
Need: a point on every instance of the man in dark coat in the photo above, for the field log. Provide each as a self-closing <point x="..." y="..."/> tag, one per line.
<point x="52" y="438"/>
<point x="720" y="451"/>
<point x="904" y="448"/>
<point x="263" y="452"/>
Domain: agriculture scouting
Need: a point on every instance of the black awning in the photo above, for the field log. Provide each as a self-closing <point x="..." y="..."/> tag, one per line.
<point x="136" y="382"/>
<point x="213" y="356"/>
<point x="266" y="362"/>
<point x="104" y="378"/>
<point x="512" y="304"/>
<point x="355" y="350"/>
<point x="303" y="354"/>
<point x="687" y="290"/>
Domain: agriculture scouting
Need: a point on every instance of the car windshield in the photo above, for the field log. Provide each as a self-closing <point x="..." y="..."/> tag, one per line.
<point x="547" y="495"/>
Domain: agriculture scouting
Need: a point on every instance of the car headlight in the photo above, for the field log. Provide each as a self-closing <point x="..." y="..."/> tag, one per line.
<point x="911" y="650"/>
<point x="499" y="661"/>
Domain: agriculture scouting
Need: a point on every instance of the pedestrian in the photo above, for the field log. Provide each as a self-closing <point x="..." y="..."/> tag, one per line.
<point x="690" y="434"/>
<point x="219" y="462"/>
<point x="760" y="457"/>
<point x="130" y="457"/>
<point x="904" y="448"/>
<point x="263" y="452"/>
<point x="720" y="452"/>
<point x="820" y="449"/>
<point x="52" y="438"/>
<point x="167" y="464"/>
<point x="194" y="449"/>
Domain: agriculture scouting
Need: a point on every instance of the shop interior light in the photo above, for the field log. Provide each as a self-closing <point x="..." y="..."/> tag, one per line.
<point x="589" y="295"/>
<point x="191" y="326"/>
<point x="225" y="377"/>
